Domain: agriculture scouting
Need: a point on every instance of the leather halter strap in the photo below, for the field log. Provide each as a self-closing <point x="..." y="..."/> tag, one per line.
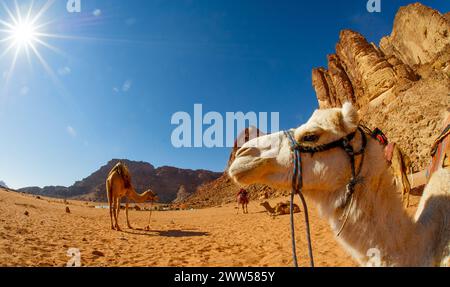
<point x="297" y="179"/>
<point x="345" y="144"/>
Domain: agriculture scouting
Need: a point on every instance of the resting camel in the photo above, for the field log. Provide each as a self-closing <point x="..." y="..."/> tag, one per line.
<point x="118" y="185"/>
<point x="281" y="208"/>
<point x="376" y="218"/>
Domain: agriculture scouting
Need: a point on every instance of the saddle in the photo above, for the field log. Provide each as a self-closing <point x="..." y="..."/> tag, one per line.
<point x="380" y="136"/>
<point x="389" y="152"/>
<point x="389" y="147"/>
<point x="440" y="152"/>
<point x="122" y="170"/>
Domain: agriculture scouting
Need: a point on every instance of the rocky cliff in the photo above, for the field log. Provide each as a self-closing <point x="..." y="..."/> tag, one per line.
<point x="401" y="86"/>
<point x="165" y="181"/>
<point x="182" y="195"/>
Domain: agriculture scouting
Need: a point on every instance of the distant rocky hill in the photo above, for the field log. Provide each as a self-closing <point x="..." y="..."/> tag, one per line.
<point x="223" y="190"/>
<point x="401" y="86"/>
<point x="3" y="184"/>
<point x="166" y="181"/>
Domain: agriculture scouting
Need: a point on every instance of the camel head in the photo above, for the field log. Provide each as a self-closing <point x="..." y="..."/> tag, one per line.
<point x="269" y="160"/>
<point x="151" y="196"/>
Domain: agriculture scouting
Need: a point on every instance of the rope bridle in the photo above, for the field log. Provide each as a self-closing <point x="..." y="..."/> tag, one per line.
<point x="297" y="180"/>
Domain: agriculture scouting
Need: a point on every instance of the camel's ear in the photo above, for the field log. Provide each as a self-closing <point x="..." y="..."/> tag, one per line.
<point x="350" y="116"/>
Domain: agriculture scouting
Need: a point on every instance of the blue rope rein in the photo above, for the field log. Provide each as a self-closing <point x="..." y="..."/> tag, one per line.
<point x="297" y="189"/>
<point x="297" y="180"/>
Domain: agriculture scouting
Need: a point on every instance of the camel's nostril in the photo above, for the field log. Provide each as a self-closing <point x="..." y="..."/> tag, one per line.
<point x="247" y="151"/>
<point x="240" y="151"/>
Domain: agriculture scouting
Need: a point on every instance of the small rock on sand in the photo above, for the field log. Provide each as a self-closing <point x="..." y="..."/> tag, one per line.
<point x="67" y="209"/>
<point x="98" y="253"/>
<point x="26" y="213"/>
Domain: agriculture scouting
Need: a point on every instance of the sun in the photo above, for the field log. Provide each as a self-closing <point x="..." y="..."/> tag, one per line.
<point x="22" y="30"/>
<point x="25" y="31"/>
<point x="24" y="35"/>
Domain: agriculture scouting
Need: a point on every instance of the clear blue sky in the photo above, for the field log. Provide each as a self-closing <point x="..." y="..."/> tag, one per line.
<point x="126" y="68"/>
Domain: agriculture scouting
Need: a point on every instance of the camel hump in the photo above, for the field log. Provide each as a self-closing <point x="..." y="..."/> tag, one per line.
<point x="122" y="170"/>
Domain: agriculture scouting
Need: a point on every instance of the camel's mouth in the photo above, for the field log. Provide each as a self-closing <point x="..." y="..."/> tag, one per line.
<point x="243" y="169"/>
<point x="259" y="161"/>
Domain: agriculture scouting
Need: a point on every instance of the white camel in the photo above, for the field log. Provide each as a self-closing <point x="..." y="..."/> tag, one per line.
<point x="376" y="218"/>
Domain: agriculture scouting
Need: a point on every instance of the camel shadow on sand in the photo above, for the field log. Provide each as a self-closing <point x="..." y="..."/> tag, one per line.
<point x="166" y="233"/>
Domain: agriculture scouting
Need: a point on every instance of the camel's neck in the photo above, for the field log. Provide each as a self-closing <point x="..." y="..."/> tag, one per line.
<point x="377" y="222"/>
<point x="136" y="197"/>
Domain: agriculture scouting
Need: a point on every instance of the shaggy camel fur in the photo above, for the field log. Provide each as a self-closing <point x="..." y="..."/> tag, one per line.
<point x="376" y="218"/>
<point x="118" y="185"/>
<point x="281" y="208"/>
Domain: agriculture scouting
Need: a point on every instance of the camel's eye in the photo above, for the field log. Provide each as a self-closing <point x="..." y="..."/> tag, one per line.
<point x="310" y="138"/>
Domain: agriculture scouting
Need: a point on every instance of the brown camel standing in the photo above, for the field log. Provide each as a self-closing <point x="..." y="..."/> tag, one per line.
<point x="242" y="200"/>
<point x="118" y="185"/>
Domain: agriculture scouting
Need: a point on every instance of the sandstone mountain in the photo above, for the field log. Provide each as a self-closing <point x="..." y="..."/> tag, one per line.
<point x="401" y="86"/>
<point x="165" y="181"/>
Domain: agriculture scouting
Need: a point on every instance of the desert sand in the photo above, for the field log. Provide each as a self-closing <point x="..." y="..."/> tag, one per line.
<point x="38" y="232"/>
